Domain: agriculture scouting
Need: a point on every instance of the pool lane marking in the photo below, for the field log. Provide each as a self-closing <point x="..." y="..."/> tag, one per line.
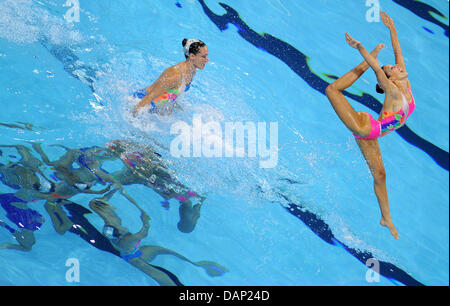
<point x="298" y="62"/>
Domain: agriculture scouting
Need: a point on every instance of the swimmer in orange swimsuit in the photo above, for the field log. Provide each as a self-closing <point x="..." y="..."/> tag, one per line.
<point x="398" y="106"/>
<point x="161" y="95"/>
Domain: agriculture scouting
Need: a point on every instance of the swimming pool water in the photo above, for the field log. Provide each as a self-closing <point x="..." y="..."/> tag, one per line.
<point x="311" y="220"/>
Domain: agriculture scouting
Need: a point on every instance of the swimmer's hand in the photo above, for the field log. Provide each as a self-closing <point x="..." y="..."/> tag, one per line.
<point x="352" y="42"/>
<point x="388" y="22"/>
<point x="379" y="47"/>
<point x="377" y="50"/>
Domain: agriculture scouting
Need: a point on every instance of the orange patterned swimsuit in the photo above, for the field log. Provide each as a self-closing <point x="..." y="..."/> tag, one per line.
<point x="166" y="98"/>
<point x="390" y="121"/>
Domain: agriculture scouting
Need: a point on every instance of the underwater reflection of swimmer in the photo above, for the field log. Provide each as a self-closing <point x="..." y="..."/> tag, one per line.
<point x="69" y="216"/>
<point x="28" y="166"/>
<point x="23" y="126"/>
<point x="25" y="218"/>
<point x="145" y="166"/>
<point x="88" y="172"/>
<point x="130" y="247"/>
<point x="27" y="158"/>
<point x="32" y="186"/>
<point x="72" y="181"/>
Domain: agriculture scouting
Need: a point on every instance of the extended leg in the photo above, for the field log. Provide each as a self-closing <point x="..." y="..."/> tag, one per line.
<point x="357" y="122"/>
<point x="25" y="240"/>
<point x="371" y="151"/>
<point x="149" y="252"/>
<point x="161" y="278"/>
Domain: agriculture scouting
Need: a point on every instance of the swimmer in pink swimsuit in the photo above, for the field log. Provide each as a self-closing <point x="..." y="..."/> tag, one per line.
<point x="398" y="106"/>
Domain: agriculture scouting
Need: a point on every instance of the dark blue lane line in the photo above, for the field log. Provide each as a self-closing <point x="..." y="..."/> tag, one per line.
<point x="298" y="62"/>
<point x="424" y="11"/>
<point x="321" y="229"/>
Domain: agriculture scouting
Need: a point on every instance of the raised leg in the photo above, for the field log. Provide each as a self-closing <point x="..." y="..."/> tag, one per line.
<point x="357" y="122"/>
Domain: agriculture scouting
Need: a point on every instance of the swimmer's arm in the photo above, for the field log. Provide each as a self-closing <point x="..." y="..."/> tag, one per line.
<point x="130" y="239"/>
<point x="383" y="81"/>
<point x="145" y="227"/>
<point x="372" y="61"/>
<point x="61" y="223"/>
<point x="22" y="150"/>
<point x="106" y="177"/>
<point x="37" y="147"/>
<point x="29" y="195"/>
<point x="72" y="155"/>
<point x="389" y="23"/>
<point x="142" y="234"/>
<point x="96" y="192"/>
<point x="171" y="78"/>
<point x="66" y="160"/>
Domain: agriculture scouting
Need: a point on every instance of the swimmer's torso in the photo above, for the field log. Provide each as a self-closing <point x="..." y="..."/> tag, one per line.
<point x="164" y="103"/>
<point x="394" y="115"/>
<point x="392" y="105"/>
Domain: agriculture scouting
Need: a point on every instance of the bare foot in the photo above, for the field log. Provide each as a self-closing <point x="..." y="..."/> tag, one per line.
<point x="390" y="226"/>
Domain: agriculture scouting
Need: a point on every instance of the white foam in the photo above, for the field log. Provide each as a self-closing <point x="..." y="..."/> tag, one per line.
<point x="22" y="21"/>
<point x="210" y="97"/>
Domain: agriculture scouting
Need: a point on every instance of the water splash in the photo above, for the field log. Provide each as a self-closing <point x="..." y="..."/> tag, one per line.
<point x="25" y="21"/>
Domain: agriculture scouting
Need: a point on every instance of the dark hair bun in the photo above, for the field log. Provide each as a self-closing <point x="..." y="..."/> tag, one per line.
<point x="194" y="48"/>
<point x="379" y="89"/>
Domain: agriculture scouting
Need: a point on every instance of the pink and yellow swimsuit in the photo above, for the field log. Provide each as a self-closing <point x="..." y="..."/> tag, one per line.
<point x="390" y="121"/>
<point x="166" y="99"/>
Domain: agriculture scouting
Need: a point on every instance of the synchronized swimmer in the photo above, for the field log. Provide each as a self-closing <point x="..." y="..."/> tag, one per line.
<point x="162" y="94"/>
<point x="398" y="106"/>
<point x="160" y="98"/>
<point x="392" y="81"/>
<point x="144" y="166"/>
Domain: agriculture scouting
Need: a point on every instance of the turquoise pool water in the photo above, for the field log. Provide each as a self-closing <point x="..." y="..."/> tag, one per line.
<point x="311" y="220"/>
